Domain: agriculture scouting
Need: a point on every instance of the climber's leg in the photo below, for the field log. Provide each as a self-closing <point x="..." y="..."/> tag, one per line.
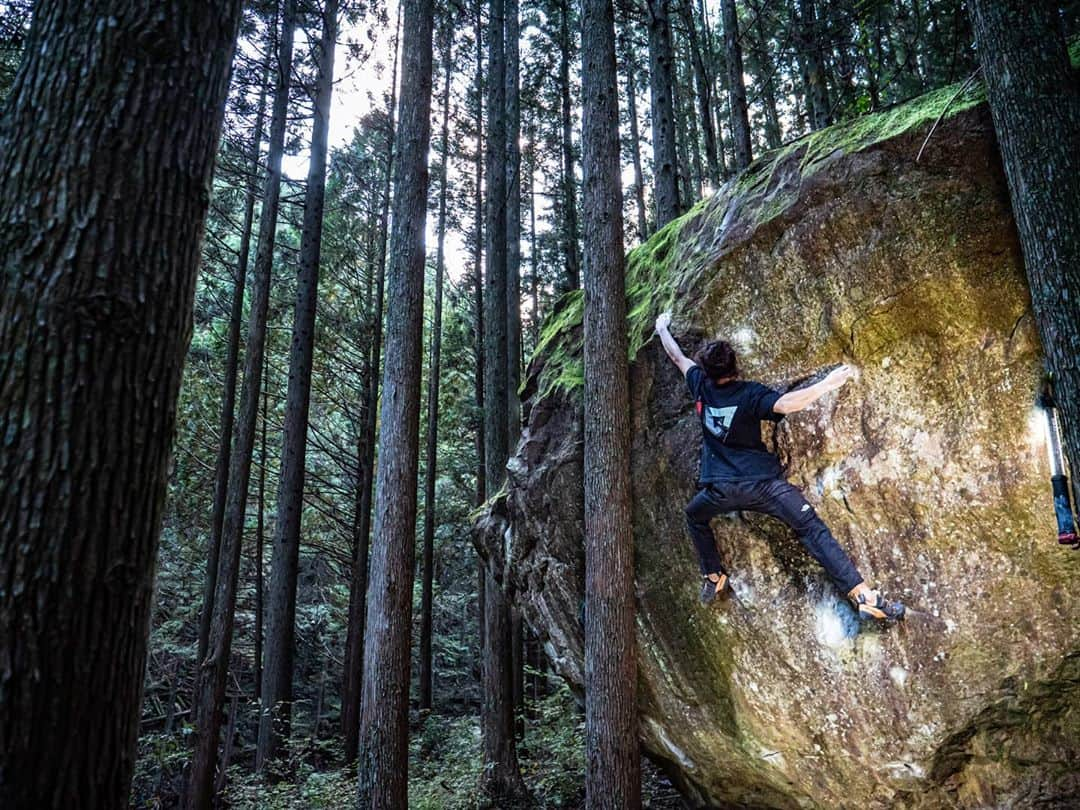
<point x="784" y="501"/>
<point x="703" y="507"/>
<point x="707" y="504"/>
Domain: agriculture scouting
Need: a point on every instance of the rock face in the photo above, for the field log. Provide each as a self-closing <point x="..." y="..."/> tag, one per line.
<point x="930" y="469"/>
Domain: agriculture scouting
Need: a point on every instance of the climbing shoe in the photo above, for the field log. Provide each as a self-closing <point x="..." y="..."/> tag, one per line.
<point x="872" y="605"/>
<point x="711" y="590"/>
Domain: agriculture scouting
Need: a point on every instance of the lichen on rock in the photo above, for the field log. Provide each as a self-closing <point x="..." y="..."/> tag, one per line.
<point x="929" y="469"/>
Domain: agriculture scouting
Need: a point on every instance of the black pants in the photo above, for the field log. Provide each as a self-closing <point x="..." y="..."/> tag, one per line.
<point x="774" y="497"/>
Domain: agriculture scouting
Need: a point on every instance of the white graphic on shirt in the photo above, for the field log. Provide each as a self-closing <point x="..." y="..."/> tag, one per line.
<point x="718" y="420"/>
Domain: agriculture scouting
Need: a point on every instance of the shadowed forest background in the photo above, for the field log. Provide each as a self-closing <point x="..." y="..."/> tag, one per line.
<point x="272" y="478"/>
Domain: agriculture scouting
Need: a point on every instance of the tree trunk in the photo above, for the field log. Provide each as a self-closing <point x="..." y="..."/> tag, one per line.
<point x="228" y="396"/>
<point x="384" y="710"/>
<point x="613" y="761"/>
<point x="107" y="146"/>
<point x="635" y="139"/>
<point x="703" y="94"/>
<point x="661" y="87"/>
<point x="534" y="257"/>
<point x="434" y="372"/>
<point x="478" y="275"/>
<point x="500" y="779"/>
<point x="213" y="670"/>
<point x="1035" y="101"/>
<point x="817" y="102"/>
<point x="517" y="667"/>
<point x="260" y="542"/>
<point x="572" y="280"/>
<point x="766" y="70"/>
<point x="352" y="688"/>
<point x="692" y="138"/>
<point x="740" y="121"/>
<point x="275" y="717"/>
<point x="513" y="226"/>
<point x="712" y="74"/>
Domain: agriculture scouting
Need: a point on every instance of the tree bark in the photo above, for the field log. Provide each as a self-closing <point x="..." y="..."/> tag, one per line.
<point x="260" y="542"/>
<point x="275" y="717"/>
<point x="107" y="145"/>
<point x="213" y="670"/>
<point x="352" y="688"/>
<point x="766" y="74"/>
<point x="613" y="761"/>
<point x="635" y="139"/>
<point x="513" y="226"/>
<point x="810" y="47"/>
<point x="1035" y="102"/>
<point x="434" y="373"/>
<point x="661" y="87"/>
<point x="740" y="121"/>
<point x="501" y="779"/>
<point x="384" y="711"/>
<point x="228" y="396"/>
<point x="694" y="171"/>
<point x="572" y="280"/>
<point x="703" y="94"/>
<point x="478" y="275"/>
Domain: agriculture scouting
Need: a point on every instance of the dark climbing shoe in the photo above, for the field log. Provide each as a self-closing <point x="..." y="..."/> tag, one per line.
<point x="711" y="591"/>
<point x="876" y="606"/>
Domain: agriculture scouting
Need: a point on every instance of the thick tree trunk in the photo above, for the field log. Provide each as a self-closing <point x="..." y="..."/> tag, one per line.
<point x="384" y="712"/>
<point x="434" y="372"/>
<point x="107" y="145"/>
<point x="661" y="87"/>
<point x="352" y="688"/>
<point x="478" y="275"/>
<point x="613" y="761"/>
<point x="1035" y="101"/>
<point x="275" y="717"/>
<point x="213" y="670"/>
<point x="495" y="322"/>
<point x="740" y="121"/>
<point x="500" y="779"/>
<point x="232" y="356"/>
<point x="572" y="280"/>
<point x="513" y="226"/>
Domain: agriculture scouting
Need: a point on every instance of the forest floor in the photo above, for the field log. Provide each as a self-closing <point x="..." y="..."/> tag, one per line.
<point x="444" y="767"/>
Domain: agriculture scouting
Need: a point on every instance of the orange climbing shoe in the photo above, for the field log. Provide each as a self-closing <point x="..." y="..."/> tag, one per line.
<point x="711" y="590"/>
<point x="872" y="605"/>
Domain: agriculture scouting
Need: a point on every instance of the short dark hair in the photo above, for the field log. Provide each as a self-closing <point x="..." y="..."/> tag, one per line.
<point x="718" y="359"/>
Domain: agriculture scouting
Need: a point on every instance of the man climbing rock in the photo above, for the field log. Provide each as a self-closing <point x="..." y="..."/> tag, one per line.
<point x="739" y="473"/>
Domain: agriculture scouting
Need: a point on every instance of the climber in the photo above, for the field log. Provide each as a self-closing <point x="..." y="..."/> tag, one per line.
<point x="739" y="473"/>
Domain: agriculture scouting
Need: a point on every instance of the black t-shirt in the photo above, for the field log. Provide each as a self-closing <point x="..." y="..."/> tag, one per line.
<point x="731" y="416"/>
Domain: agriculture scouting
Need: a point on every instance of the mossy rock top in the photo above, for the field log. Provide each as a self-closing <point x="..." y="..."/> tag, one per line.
<point x="662" y="268"/>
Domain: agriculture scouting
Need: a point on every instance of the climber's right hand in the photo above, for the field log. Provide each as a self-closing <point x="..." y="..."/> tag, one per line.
<point x="663" y="321"/>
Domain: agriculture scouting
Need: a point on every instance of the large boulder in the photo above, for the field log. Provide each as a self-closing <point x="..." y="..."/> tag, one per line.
<point x="930" y="469"/>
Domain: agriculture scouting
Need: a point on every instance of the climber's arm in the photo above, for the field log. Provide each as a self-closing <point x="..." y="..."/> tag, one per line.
<point x="794" y="401"/>
<point x="670" y="346"/>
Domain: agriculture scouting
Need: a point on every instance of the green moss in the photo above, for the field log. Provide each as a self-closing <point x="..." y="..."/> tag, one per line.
<point x="661" y="271"/>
